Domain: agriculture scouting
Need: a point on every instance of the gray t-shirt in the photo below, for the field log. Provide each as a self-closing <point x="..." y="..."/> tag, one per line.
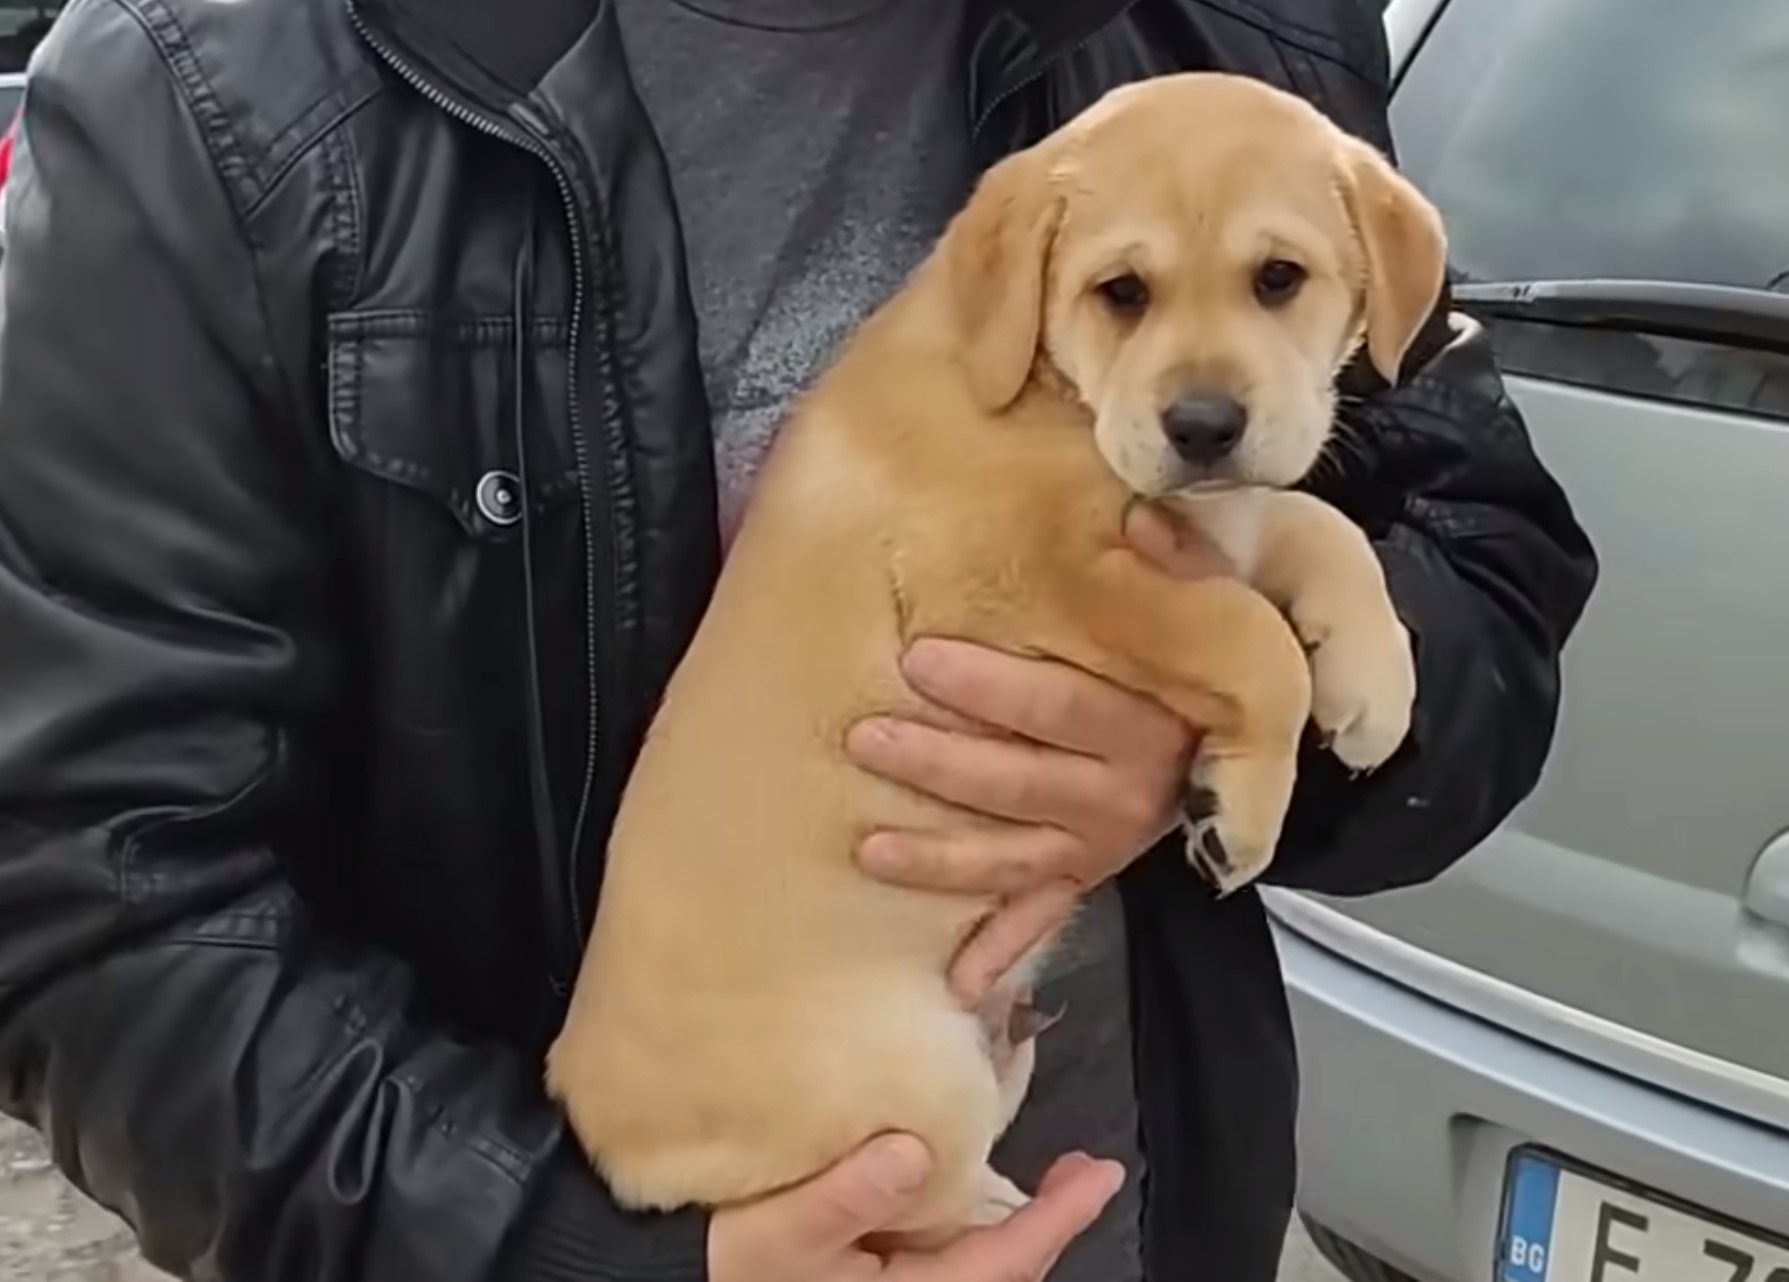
<point x="817" y="148"/>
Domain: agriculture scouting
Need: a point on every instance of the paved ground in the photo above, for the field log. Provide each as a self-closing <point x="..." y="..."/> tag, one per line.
<point x="1303" y="1264"/>
<point x="50" y="1233"/>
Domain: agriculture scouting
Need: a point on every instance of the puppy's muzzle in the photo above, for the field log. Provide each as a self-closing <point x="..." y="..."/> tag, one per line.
<point x="1204" y="428"/>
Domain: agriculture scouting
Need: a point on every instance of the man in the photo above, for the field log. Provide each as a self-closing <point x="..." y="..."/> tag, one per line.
<point x="379" y="382"/>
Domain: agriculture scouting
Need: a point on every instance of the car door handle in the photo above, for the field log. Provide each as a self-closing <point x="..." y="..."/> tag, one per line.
<point x="1764" y="921"/>
<point x="1767" y="889"/>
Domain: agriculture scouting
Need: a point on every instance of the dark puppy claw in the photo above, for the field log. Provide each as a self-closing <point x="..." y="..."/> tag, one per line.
<point x="1197" y="804"/>
<point x="1212" y="850"/>
<point x="1209" y="856"/>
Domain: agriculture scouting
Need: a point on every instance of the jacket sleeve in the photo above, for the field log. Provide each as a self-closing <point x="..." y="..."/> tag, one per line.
<point x="1489" y="571"/>
<point x="261" y="1098"/>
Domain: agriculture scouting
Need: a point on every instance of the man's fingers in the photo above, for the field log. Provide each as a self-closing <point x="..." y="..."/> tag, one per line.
<point x="998" y="944"/>
<point x="859" y="1195"/>
<point x="1068" y="1167"/>
<point x="1005" y="778"/>
<point x="1026" y="1247"/>
<point x="1040" y="699"/>
<point x="977" y="861"/>
<point x="1068" y="1201"/>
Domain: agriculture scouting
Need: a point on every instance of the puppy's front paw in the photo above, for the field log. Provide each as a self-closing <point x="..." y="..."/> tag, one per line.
<point x="1363" y="687"/>
<point x="1231" y="813"/>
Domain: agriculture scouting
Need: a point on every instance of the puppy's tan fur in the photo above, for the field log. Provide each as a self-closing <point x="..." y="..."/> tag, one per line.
<point x="751" y="1005"/>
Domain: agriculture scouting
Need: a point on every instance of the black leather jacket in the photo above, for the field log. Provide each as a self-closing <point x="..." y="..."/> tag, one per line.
<point x="308" y="742"/>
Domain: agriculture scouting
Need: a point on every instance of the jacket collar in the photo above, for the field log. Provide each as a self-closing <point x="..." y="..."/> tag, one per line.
<point x="495" y="55"/>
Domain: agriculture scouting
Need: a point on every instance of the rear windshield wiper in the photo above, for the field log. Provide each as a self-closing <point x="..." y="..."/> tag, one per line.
<point x="1704" y="313"/>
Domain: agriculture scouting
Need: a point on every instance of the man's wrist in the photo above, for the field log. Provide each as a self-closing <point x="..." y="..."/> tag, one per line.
<point x="574" y="1232"/>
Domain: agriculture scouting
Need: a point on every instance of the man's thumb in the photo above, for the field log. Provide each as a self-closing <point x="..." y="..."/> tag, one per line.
<point x="861" y="1194"/>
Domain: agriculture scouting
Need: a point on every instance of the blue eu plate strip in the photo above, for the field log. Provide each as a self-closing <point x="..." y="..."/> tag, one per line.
<point x="1528" y="1228"/>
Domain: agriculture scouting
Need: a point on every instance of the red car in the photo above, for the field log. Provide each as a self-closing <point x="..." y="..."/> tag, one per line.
<point x="12" y="94"/>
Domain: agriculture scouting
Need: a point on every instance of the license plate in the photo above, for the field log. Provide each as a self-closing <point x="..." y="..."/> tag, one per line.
<point x="1565" y="1224"/>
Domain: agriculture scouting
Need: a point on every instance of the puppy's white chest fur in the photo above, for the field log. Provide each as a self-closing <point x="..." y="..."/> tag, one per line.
<point x="1233" y="520"/>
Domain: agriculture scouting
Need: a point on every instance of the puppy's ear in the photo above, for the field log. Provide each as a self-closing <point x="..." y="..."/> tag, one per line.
<point x="1406" y="253"/>
<point x="996" y="256"/>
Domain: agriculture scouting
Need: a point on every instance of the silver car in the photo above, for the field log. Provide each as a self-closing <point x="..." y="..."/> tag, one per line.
<point x="1568" y="1060"/>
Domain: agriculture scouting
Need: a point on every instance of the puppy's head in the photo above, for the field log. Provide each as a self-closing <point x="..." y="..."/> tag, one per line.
<point x="1197" y="257"/>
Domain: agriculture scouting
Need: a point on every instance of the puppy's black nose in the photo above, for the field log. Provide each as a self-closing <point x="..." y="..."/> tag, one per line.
<point x="1204" y="427"/>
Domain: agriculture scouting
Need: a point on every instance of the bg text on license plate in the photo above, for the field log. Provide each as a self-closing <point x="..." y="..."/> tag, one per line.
<point x="1562" y="1224"/>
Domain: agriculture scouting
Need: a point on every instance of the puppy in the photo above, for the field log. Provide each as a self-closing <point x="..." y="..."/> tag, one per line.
<point x="1152" y="304"/>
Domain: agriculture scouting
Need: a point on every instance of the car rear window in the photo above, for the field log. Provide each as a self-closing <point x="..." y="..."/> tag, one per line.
<point x="1612" y="139"/>
<point x="1606" y="138"/>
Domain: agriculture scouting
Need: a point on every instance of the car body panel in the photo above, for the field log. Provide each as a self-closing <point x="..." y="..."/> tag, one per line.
<point x="1412" y="1107"/>
<point x="1625" y="886"/>
<point x="1608" y="975"/>
<point x="1647" y="880"/>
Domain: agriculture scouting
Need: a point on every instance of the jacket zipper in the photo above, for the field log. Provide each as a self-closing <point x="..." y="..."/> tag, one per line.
<point x="496" y="128"/>
<point x="1042" y="69"/>
<point x="568" y="947"/>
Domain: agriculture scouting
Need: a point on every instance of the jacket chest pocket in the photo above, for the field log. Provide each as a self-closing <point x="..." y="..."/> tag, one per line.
<point x="448" y="428"/>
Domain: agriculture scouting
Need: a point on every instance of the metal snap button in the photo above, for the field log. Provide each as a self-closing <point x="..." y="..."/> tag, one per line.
<point x="499" y="497"/>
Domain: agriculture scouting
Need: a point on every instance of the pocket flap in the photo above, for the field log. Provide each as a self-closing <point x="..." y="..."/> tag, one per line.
<point x="431" y="404"/>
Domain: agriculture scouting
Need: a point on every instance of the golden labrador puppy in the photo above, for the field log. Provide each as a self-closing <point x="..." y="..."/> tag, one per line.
<point x="1151" y="304"/>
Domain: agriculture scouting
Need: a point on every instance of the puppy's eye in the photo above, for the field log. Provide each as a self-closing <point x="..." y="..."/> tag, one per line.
<point x="1277" y="280"/>
<point x="1127" y="294"/>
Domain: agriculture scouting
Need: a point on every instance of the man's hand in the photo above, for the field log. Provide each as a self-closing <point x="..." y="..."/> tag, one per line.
<point x="812" y="1233"/>
<point x="1082" y="776"/>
